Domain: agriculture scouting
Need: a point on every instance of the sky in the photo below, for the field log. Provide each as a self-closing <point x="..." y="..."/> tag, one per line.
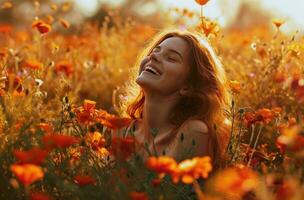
<point x="292" y="11"/>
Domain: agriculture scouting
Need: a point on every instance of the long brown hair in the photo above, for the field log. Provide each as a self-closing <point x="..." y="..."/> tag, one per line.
<point x="207" y="97"/>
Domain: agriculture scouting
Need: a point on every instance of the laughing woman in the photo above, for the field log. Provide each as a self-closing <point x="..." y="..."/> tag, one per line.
<point x="181" y="97"/>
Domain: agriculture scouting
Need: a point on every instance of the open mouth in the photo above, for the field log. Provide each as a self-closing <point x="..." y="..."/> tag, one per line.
<point x="152" y="70"/>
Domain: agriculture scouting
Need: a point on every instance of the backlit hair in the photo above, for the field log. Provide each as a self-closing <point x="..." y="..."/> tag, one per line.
<point x="207" y="97"/>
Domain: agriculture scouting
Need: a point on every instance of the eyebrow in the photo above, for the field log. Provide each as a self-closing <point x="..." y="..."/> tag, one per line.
<point x="172" y="50"/>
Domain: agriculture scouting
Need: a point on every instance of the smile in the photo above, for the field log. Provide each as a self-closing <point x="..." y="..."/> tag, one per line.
<point x="152" y="70"/>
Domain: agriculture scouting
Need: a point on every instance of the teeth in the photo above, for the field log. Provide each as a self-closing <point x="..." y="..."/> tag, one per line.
<point x="152" y="69"/>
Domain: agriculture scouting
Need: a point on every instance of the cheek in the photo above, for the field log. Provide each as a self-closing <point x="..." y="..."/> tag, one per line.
<point x="177" y="73"/>
<point x="143" y="63"/>
<point x="175" y="76"/>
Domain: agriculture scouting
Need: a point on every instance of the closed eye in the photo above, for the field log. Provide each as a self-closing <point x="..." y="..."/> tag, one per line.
<point x="171" y="59"/>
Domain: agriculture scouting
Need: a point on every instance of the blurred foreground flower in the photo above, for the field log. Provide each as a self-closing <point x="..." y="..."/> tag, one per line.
<point x="59" y="141"/>
<point x="27" y="173"/>
<point x="235" y="182"/>
<point x="122" y="148"/>
<point x="138" y="196"/>
<point x="290" y="139"/>
<point x="33" y="156"/>
<point x="188" y="170"/>
<point x="39" y="196"/>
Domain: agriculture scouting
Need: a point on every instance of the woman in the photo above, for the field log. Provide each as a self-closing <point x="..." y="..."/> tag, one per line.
<point x="181" y="99"/>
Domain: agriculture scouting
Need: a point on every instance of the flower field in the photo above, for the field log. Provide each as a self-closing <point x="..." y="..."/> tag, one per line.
<point x="61" y="91"/>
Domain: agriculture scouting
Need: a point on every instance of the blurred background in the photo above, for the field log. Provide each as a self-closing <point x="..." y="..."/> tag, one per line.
<point x="228" y="13"/>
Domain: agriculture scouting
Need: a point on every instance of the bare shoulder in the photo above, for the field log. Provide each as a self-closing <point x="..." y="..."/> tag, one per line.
<point x="194" y="126"/>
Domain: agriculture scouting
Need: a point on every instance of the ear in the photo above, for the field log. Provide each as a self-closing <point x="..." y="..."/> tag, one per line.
<point x="184" y="90"/>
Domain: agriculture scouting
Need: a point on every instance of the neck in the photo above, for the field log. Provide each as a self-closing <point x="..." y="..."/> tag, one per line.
<point x="156" y="113"/>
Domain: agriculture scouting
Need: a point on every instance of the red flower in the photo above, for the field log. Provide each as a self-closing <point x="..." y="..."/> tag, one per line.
<point x="89" y="105"/>
<point x="41" y="26"/>
<point x="45" y="127"/>
<point x="263" y="116"/>
<point x="33" y="156"/>
<point x="112" y="121"/>
<point x="201" y="2"/>
<point x="39" y="196"/>
<point x="59" y="141"/>
<point x="64" y="67"/>
<point x="138" y="196"/>
<point x="27" y="173"/>
<point x="84" y="180"/>
<point x="122" y="148"/>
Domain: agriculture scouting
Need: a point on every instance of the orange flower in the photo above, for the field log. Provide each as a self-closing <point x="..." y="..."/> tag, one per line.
<point x="64" y="67"/>
<point x="235" y="86"/>
<point x="7" y="5"/>
<point x="27" y="173"/>
<point x="279" y="77"/>
<point x="5" y="28"/>
<point x="54" y="7"/>
<point x="236" y="181"/>
<point x="192" y="169"/>
<point x="278" y="23"/>
<point x="95" y="140"/>
<point x="89" y="105"/>
<point x="263" y="116"/>
<point x="33" y="64"/>
<point x="277" y="110"/>
<point x="34" y="156"/>
<point x="45" y="127"/>
<point x="122" y="148"/>
<point x="201" y="2"/>
<point x="290" y="139"/>
<point x="49" y="19"/>
<point x="59" y="141"/>
<point x="298" y="87"/>
<point x="112" y="121"/>
<point x="84" y="180"/>
<point x="64" y="23"/>
<point x="39" y="196"/>
<point x="162" y="164"/>
<point x="41" y="26"/>
<point x="15" y="82"/>
<point x="3" y="52"/>
<point x="249" y="118"/>
<point x="208" y="27"/>
<point x="138" y="196"/>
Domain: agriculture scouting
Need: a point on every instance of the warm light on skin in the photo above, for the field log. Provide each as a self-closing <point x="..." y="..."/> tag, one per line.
<point x="291" y="11"/>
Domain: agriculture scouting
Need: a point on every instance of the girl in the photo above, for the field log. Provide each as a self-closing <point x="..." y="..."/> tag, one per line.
<point x="178" y="110"/>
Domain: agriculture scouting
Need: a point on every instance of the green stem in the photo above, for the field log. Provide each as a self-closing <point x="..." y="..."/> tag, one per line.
<point x="255" y="144"/>
<point x="231" y="131"/>
<point x="251" y="138"/>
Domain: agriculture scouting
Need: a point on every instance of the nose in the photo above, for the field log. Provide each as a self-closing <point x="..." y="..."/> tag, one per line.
<point x="155" y="56"/>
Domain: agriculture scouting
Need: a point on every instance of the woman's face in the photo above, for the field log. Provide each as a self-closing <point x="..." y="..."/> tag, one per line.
<point x="166" y="69"/>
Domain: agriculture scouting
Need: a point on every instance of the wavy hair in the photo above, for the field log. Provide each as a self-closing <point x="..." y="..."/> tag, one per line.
<point x="207" y="96"/>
